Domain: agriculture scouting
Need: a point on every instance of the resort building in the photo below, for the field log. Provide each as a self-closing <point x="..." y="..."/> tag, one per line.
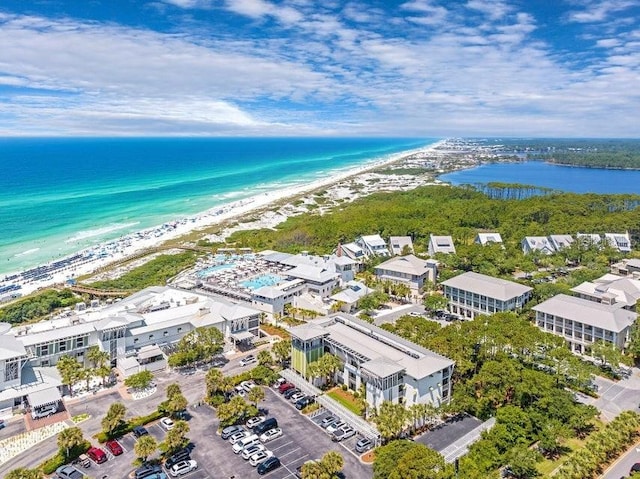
<point x="348" y="298"/>
<point x="273" y="299"/>
<point x="627" y="267"/>
<point x="373" y="245"/>
<point x="352" y="251"/>
<point x="471" y="294"/>
<point x="342" y="265"/>
<point x="488" y="238"/>
<point x="400" y="245"/>
<point x="589" y="239"/>
<point x="441" y="244"/>
<point x="537" y="243"/>
<point x="582" y="322"/>
<point x="390" y="367"/>
<point x="611" y="289"/>
<point x="136" y="329"/>
<point x="409" y="270"/>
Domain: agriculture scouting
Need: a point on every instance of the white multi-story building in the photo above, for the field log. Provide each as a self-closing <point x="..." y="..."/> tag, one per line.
<point x="582" y="322"/>
<point x="470" y="294"/>
<point x="409" y="270"/>
<point x="373" y="245"/>
<point x="390" y="367"/>
<point x="153" y="317"/>
<point x="611" y="289"/>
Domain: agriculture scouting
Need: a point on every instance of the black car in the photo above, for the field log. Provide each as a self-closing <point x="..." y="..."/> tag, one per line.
<point x="268" y="465"/>
<point x="635" y="468"/>
<point x="290" y="392"/>
<point x="139" y="431"/>
<point x="304" y="402"/>
<point x="181" y="455"/>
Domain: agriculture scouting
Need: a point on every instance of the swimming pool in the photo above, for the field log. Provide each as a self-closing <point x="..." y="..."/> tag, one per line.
<point x="262" y="280"/>
<point x="204" y="273"/>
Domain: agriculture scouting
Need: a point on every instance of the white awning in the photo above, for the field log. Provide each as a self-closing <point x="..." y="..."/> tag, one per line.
<point x="242" y="336"/>
<point x="44" y="397"/>
<point x="149" y="352"/>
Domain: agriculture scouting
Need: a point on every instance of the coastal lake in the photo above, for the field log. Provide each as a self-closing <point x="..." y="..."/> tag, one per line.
<point x="548" y="175"/>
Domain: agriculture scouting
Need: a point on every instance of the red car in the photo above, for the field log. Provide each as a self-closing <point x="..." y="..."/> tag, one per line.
<point x="114" y="447"/>
<point x="97" y="454"/>
<point x="285" y="387"/>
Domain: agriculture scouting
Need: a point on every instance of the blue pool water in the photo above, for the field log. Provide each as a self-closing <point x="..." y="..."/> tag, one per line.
<point x="204" y="273"/>
<point x="260" y="281"/>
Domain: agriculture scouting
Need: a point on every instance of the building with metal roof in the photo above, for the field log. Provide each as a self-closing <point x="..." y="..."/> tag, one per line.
<point x="409" y="270"/>
<point x="582" y="322"/>
<point x="470" y="294"/>
<point x="441" y="244"/>
<point x="388" y="366"/>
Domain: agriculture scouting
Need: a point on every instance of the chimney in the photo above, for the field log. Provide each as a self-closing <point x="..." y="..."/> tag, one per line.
<point x="339" y="250"/>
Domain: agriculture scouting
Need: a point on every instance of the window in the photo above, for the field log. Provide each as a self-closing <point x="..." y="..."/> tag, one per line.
<point x="11" y="371"/>
<point x="135" y="341"/>
<point x="179" y="330"/>
<point x="80" y="342"/>
<point x="165" y="334"/>
<point x="150" y="337"/>
<point x="62" y="347"/>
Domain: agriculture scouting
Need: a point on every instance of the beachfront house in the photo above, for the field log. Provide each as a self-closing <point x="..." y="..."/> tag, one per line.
<point x="373" y="245"/>
<point x="488" y="238"/>
<point x="390" y="367"/>
<point x="540" y="244"/>
<point x="441" y="244"/>
<point x="400" y="245"/>
<point x="470" y="294"/>
<point x="409" y="270"/>
<point x="582" y="322"/>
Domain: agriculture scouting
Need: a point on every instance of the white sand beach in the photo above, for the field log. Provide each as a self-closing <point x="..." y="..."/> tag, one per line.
<point x="128" y="245"/>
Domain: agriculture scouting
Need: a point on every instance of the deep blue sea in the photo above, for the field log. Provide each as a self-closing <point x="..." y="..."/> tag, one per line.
<point x="539" y="173"/>
<point x="58" y="196"/>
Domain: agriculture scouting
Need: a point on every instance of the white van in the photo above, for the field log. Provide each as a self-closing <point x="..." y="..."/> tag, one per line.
<point x="44" y="411"/>
<point x="244" y="442"/>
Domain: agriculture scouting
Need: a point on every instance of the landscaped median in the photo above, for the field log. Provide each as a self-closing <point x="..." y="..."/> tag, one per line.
<point x="12" y="446"/>
<point x="346" y="399"/>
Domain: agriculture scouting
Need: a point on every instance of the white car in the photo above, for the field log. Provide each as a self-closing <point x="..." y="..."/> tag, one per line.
<point x="254" y="421"/>
<point x="248" y="360"/>
<point x="251" y="450"/>
<point x="296" y="396"/>
<point x="259" y="457"/>
<point x="183" y="467"/>
<point x="237" y="436"/>
<point x="271" y="434"/>
<point x="335" y="426"/>
<point x="247" y="385"/>
<point x="167" y="423"/>
<point x="44" y="411"/>
<point x="415" y="314"/>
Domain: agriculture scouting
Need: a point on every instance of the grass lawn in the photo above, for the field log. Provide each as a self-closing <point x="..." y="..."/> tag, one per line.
<point x="346" y="399"/>
<point x="275" y="331"/>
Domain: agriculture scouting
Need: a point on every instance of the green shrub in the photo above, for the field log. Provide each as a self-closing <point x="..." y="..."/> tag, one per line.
<point x="50" y="465"/>
<point x="128" y="426"/>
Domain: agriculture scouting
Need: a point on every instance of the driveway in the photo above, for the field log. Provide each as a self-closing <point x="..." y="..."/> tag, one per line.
<point x="616" y="397"/>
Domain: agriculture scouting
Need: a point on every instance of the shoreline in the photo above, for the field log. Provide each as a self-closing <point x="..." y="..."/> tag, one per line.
<point x="103" y="254"/>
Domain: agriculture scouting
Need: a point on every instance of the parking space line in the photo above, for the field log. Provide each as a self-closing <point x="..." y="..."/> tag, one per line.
<point x="290" y="452"/>
<point x="281" y="446"/>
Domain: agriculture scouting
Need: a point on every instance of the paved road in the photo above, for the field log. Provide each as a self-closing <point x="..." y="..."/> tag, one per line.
<point x="616" y="397"/>
<point x="623" y="465"/>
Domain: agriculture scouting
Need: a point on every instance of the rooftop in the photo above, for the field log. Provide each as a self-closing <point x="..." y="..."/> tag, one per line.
<point x="489" y="286"/>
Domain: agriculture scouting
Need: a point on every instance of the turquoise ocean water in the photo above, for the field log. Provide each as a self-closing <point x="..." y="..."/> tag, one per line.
<point x="58" y="196"/>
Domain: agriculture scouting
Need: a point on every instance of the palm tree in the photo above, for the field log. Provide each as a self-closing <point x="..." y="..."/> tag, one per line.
<point x="69" y="439"/>
<point x="176" y="437"/>
<point x="113" y="418"/>
<point x="256" y="395"/>
<point x="145" y="447"/>
<point x="70" y="371"/>
<point x="332" y="463"/>
<point x="213" y="381"/>
<point x="265" y="358"/>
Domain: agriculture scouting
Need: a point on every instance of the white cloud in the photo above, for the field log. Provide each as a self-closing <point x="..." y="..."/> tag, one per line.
<point x="494" y="9"/>
<point x="600" y="10"/>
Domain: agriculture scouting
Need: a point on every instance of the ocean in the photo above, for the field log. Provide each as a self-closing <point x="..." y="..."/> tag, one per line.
<point x="61" y="195"/>
<point x="558" y="177"/>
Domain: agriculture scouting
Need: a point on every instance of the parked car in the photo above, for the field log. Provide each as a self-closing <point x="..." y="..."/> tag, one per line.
<point x="271" y="434"/>
<point x="245" y="442"/>
<point x="635" y="468"/>
<point x="139" y="431"/>
<point x="97" y="455"/>
<point x="279" y="382"/>
<point x="251" y="450"/>
<point x="44" y="411"/>
<point x="328" y="421"/>
<point x="345" y="432"/>
<point x="415" y="314"/>
<point x="268" y="465"/>
<point x="167" y="423"/>
<point x="237" y="436"/>
<point x="157" y="475"/>
<point x="335" y="426"/>
<point x="183" y="467"/>
<point x="248" y="360"/>
<point x="247" y="385"/>
<point x="69" y="472"/>
<point x="147" y="470"/>
<point x="228" y="431"/>
<point x="363" y="445"/>
<point x="304" y="402"/>
<point x="259" y="457"/>
<point x="264" y="426"/>
<point x="295" y="397"/>
<point x="114" y="447"/>
<point x="2" y="424"/>
<point x="254" y="421"/>
<point x="179" y="456"/>
<point x="284" y="387"/>
<point x="287" y="394"/>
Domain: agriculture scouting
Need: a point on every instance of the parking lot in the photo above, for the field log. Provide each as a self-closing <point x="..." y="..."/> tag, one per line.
<point x="302" y="440"/>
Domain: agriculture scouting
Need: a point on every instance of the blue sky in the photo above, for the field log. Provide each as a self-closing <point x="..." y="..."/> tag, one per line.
<point x="427" y="68"/>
